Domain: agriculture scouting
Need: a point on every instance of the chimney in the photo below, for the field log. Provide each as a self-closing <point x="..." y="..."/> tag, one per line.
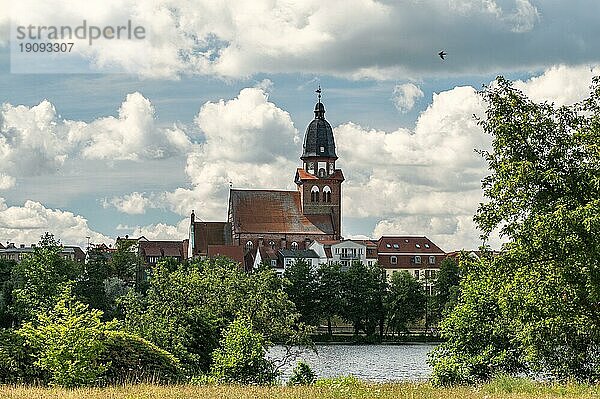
<point x="283" y="243"/>
<point x="260" y="241"/>
<point x="22" y="246"/>
<point x="193" y="217"/>
<point x="306" y="243"/>
<point x="32" y="245"/>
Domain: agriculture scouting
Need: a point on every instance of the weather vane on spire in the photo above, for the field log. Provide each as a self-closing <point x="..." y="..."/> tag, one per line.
<point x="318" y="91"/>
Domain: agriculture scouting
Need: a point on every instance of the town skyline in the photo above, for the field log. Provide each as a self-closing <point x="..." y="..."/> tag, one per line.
<point x="105" y="155"/>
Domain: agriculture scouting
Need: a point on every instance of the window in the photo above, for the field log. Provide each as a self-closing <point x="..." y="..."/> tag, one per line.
<point x="273" y="263"/>
<point x="426" y="245"/>
<point x="393" y="260"/>
<point x="388" y="245"/>
<point x="432" y="260"/>
<point x="249" y="245"/>
<point x="418" y="260"/>
<point x="331" y="167"/>
<point x="294" y="245"/>
<point x="417" y="246"/>
<point x="396" y="246"/>
<point x="326" y="194"/>
<point x="417" y="274"/>
<point x="314" y="194"/>
<point x="322" y="149"/>
<point x="322" y="172"/>
<point x="272" y="244"/>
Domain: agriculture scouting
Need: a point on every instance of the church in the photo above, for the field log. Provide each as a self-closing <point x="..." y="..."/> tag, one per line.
<point x="281" y="219"/>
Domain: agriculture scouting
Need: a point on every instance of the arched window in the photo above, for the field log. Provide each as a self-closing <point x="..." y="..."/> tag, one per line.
<point x="314" y="194"/>
<point x="294" y="246"/>
<point x="272" y="244"/>
<point x="322" y="172"/>
<point x="326" y="194"/>
<point x="249" y="245"/>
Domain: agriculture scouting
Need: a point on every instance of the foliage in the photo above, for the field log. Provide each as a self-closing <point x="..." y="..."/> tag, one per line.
<point x="125" y="262"/>
<point x="68" y="342"/>
<point x="7" y="318"/>
<point x="363" y="290"/>
<point x="132" y="359"/>
<point x="329" y="292"/>
<point x="301" y="288"/>
<point x="536" y="305"/>
<point x="241" y="357"/>
<point x="302" y="375"/>
<point x="39" y="279"/>
<point x="186" y="310"/>
<point x="446" y="287"/>
<point x="17" y="361"/>
<point x="405" y="301"/>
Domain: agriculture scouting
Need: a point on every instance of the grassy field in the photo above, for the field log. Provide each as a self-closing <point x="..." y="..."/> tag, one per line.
<point x="343" y="388"/>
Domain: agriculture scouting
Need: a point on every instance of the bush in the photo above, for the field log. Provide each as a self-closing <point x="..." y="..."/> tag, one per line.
<point x="132" y="359"/>
<point x="302" y="375"/>
<point x="67" y="343"/>
<point x="17" y="365"/>
<point x="241" y="357"/>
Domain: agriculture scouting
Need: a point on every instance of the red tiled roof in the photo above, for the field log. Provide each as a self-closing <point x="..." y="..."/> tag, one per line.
<point x="267" y="253"/>
<point x="210" y="233"/>
<point x="234" y="252"/>
<point x="407" y="244"/>
<point x="274" y="211"/>
<point x="162" y="249"/>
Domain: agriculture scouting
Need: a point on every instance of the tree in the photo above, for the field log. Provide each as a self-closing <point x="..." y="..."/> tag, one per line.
<point x="40" y="278"/>
<point x="363" y="290"/>
<point x="446" y="287"/>
<point x="241" y="356"/>
<point x="329" y="294"/>
<point x="536" y="306"/>
<point x="405" y="301"/>
<point x="68" y="341"/>
<point x="301" y="288"/>
<point x="186" y="310"/>
<point x="7" y="318"/>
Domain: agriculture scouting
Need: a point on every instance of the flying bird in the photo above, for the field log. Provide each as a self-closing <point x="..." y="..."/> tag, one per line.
<point x="442" y="54"/>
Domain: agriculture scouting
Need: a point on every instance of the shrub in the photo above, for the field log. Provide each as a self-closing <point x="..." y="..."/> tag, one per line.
<point x="302" y="375"/>
<point x="132" y="359"/>
<point x="17" y="365"/>
<point x="241" y="357"/>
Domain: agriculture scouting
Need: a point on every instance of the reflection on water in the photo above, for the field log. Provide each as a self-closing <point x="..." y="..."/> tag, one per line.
<point x="368" y="362"/>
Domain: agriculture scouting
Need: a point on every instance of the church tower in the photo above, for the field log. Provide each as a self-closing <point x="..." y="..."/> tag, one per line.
<point x="319" y="182"/>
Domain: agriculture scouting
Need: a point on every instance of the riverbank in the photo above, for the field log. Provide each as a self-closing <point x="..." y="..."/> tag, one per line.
<point x="504" y="388"/>
<point x="360" y="339"/>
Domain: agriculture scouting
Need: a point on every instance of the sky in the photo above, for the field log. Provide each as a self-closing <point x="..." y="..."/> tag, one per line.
<point x="129" y="136"/>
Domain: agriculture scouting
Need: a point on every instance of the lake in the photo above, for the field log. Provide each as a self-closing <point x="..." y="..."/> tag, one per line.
<point x="381" y="363"/>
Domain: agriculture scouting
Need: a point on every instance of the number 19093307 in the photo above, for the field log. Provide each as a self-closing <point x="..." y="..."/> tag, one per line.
<point x="46" y="47"/>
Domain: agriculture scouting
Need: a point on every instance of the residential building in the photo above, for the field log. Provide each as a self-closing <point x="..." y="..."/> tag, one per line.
<point x="12" y="252"/>
<point x="417" y="255"/>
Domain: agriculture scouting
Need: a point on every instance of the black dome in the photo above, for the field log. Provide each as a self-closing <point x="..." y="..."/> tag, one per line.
<point x="319" y="136"/>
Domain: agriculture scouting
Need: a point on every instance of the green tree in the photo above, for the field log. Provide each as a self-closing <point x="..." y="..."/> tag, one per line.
<point x="125" y="263"/>
<point x="40" y="278"/>
<point x="301" y="288"/>
<point x="186" y="310"/>
<point x="68" y="341"/>
<point x="405" y="301"/>
<point x="536" y="305"/>
<point x="363" y="295"/>
<point x="329" y="292"/>
<point x="7" y="318"/>
<point x="446" y="287"/>
<point x="241" y="356"/>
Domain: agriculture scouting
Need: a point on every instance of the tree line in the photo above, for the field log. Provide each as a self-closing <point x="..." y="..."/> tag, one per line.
<point x="364" y="297"/>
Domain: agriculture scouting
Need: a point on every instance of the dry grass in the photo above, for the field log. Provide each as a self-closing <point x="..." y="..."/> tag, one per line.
<point x="497" y="389"/>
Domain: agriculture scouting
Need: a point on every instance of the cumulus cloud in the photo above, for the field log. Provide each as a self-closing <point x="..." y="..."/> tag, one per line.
<point x="133" y="204"/>
<point x="36" y="140"/>
<point x="353" y="38"/>
<point x="405" y="96"/>
<point x="26" y="224"/>
<point x="162" y="231"/>
<point x="6" y="181"/>
<point x="248" y="143"/>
